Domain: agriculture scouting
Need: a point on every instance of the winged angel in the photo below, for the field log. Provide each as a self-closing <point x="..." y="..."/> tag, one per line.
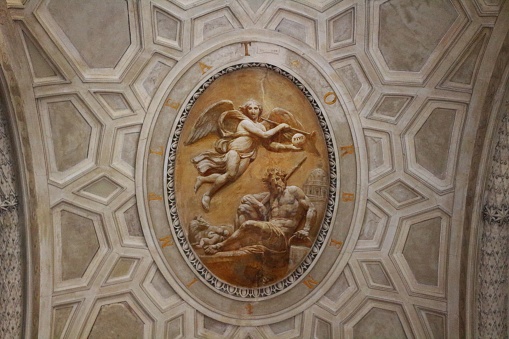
<point x="240" y="133"/>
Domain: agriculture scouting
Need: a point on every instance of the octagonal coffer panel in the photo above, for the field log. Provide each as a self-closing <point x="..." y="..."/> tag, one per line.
<point x="73" y="136"/>
<point x="78" y="27"/>
<point x="379" y="322"/>
<point x="401" y="44"/>
<point x="106" y="22"/>
<point x="432" y="143"/>
<point x="125" y="320"/>
<point x="119" y="316"/>
<point x="379" y="319"/>
<point x="77" y="255"/>
<point x="413" y="31"/>
<point x="80" y="246"/>
<point x="420" y="252"/>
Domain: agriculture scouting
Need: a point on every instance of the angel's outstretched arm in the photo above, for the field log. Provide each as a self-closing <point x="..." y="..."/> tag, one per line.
<point x="252" y="128"/>
<point x="280" y="147"/>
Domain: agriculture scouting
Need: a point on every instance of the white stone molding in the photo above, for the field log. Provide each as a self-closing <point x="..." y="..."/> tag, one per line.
<point x="488" y="8"/>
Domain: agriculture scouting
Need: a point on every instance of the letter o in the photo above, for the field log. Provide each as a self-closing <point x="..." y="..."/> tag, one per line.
<point x="331" y="101"/>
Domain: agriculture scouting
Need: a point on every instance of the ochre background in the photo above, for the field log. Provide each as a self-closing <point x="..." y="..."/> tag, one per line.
<point x="271" y="90"/>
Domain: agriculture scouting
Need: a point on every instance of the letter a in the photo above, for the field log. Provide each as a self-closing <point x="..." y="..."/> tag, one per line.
<point x="204" y="67"/>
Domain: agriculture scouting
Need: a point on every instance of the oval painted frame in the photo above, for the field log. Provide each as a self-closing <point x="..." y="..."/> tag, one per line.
<point x="182" y="236"/>
<point x="155" y="209"/>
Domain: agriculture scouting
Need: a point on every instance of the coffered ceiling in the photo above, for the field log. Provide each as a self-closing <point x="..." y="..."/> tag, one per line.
<point x="407" y="74"/>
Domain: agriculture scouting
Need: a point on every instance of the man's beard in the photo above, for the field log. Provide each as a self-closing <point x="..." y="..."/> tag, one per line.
<point x="278" y="189"/>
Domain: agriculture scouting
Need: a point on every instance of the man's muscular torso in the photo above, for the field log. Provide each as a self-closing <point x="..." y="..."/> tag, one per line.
<point x="286" y="210"/>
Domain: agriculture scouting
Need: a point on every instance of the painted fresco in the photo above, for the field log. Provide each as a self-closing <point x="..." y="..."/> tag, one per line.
<point x="251" y="177"/>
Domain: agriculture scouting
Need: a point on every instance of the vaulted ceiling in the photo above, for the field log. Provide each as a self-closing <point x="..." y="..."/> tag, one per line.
<point x="412" y="78"/>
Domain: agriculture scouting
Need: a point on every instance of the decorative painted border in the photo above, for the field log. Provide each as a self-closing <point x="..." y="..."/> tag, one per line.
<point x="193" y="259"/>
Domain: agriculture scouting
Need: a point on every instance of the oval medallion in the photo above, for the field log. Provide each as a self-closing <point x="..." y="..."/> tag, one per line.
<point x="252" y="179"/>
<point x="248" y="182"/>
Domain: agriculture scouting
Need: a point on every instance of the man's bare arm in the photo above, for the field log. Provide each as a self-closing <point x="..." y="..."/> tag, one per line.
<point x="305" y="203"/>
<point x="255" y="199"/>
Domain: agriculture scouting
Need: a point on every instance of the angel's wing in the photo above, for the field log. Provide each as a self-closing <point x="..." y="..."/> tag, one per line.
<point x="228" y="122"/>
<point x="208" y="121"/>
<point x="279" y="116"/>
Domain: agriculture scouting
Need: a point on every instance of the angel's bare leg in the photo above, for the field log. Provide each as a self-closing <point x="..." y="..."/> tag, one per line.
<point x="235" y="166"/>
<point x="200" y="180"/>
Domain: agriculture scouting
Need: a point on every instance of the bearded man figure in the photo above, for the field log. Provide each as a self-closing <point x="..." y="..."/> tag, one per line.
<point x="282" y="209"/>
